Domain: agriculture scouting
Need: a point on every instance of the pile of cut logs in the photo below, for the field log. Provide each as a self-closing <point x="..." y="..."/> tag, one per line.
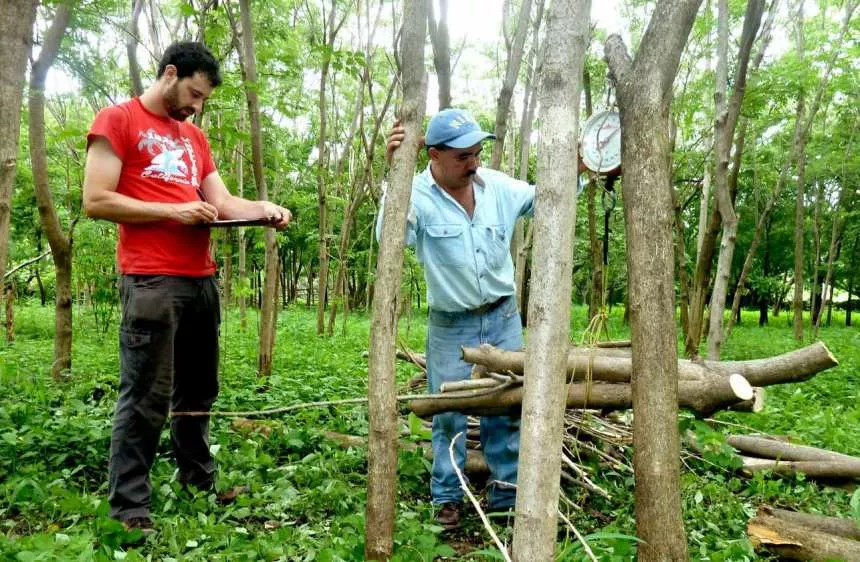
<point x="600" y="377"/>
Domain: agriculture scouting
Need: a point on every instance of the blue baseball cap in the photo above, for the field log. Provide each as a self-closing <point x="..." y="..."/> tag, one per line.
<point x="454" y="128"/>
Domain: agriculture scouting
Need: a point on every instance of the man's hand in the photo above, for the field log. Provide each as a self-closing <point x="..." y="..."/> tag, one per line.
<point x="195" y="212"/>
<point x="395" y="138"/>
<point x="279" y="216"/>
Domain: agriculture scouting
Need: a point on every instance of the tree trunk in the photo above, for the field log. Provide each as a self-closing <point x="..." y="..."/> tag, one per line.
<point x="441" y="51"/>
<point x="268" y="306"/>
<point x="240" y="182"/>
<point x="512" y="71"/>
<point x="16" y="35"/>
<point x="382" y="402"/>
<point x="131" y="42"/>
<point x="724" y="131"/>
<point x="644" y="91"/>
<point x="9" y="302"/>
<point x="549" y="309"/>
<point x="330" y="30"/>
<point x="61" y="246"/>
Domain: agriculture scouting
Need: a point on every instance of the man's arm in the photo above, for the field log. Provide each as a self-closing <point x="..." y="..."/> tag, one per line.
<point x="232" y="207"/>
<point x="101" y="200"/>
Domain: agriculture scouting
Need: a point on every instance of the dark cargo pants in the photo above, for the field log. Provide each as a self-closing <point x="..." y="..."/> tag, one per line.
<point x="168" y="360"/>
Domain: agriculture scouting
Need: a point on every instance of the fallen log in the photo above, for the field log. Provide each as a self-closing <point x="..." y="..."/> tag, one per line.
<point x="794" y="366"/>
<point x="846" y="528"/>
<point x="762" y="446"/>
<point x="839" y="470"/>
<point x="702" y="397"/>
<point x="799" y="542"/>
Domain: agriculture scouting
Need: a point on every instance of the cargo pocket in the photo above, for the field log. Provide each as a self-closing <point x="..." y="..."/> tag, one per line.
<point x="136" y="357"/>
<point x="446" y="245"/>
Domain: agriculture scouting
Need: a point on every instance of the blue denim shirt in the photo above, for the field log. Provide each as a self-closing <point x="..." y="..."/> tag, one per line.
<point x="467" y="261"/>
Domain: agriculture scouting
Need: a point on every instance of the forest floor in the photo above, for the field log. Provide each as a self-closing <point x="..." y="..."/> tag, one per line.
<point x="307" y="494"/>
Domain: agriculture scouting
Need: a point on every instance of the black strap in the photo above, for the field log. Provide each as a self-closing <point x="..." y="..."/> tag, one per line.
<point x="608" y="188"/>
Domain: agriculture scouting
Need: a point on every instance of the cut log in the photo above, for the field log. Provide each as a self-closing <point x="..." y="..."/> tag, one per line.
<point x="794" y="366"/>
<point x="702" y="397"/>
<point x="846" y="528"/>
<point x="762" y="446"/>
<point x="605" y="365"/>
<point x="798" y="542"/>
<point x="839" y="470"/>
<point x="754" y="405"/>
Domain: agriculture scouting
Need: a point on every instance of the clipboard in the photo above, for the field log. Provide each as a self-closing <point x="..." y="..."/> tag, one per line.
<point x="238" y="222"/>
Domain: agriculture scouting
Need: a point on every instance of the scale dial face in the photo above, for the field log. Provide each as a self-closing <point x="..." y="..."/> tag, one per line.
<point x="601" y="142"/>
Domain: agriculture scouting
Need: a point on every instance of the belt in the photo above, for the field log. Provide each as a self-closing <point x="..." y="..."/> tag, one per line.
<point x="490" y="306"/>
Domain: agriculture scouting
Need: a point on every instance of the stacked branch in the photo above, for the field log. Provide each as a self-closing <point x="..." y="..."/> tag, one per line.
<point x="759" y="453"/>
<point x="805" y="536"/>
<point x="599" y="378"/>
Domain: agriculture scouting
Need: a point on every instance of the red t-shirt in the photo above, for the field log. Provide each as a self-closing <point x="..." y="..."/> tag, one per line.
<point x="163" y="160"/>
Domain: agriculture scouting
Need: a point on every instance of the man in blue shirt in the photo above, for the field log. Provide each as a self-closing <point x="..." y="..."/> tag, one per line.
<point x="460" y="222"/>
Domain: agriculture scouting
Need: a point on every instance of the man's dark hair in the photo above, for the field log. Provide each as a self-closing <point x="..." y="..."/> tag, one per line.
<point x="439" y="147"/>
<point x="190" y="57"/>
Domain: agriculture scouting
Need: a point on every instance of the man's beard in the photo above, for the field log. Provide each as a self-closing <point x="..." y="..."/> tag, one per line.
<point x="171" y="103"/>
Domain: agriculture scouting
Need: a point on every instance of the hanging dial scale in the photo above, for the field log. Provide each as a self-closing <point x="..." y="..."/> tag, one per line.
<point x="601" y="143"/>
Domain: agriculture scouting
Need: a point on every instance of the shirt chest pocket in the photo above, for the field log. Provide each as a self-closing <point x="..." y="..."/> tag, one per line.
<point x="498" y="245"/>
<point x="445" y="244"/>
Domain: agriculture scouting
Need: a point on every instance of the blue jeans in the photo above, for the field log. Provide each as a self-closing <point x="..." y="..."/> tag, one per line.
<point x="500" y="435"/>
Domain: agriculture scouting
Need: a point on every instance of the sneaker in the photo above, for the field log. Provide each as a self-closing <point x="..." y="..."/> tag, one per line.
<point x="449" y="515"/>
<point x="228" y="497"/>
<point x="139" y="529"/>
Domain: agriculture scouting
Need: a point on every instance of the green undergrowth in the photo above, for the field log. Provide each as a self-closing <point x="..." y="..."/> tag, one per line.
<point x="307" y="494"/>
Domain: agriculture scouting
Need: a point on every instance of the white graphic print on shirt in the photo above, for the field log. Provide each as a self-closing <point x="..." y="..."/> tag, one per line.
<point x="167" y="161"/>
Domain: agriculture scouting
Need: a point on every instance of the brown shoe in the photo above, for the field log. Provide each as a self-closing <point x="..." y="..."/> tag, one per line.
<point x="449" y="515"/>
<point x="139" y="529"/>
<point x="228" y="497"/>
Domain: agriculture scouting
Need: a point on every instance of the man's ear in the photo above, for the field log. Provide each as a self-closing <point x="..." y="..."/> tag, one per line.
<point x="433" y="153"/>
<point x="169" y="71"/>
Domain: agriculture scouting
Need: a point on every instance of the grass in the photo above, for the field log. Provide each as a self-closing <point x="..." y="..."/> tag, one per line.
<point x="307" y="495"/>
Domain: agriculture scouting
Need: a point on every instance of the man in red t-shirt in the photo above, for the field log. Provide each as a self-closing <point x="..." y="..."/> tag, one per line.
<point x="151" y="171"/>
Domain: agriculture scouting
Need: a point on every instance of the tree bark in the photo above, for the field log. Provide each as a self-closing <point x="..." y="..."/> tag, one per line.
<point x="703" y="397"/>
<point x="131" y="41"/>
<point x="330" y="31"/>
<point x="441" y="51"/>
<point x="268" y="306"/>
<point x="61" y="245"/>
<point x="243" y="271"/>
<point x="606" y="365"/>
<point x="724" y="130"/>
<point x="16" y="36"/>
<point x="549" y="308"/>
<point x="382" y="406"/>
<point x="644" y="92"/>
<point x="838" y="526"/>
<point x="798" y="542"/>
<point x="769" y="448"/>
<point x="512" y="71"/>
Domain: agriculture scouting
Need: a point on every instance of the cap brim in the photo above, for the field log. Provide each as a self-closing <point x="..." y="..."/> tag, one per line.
<point x="469" y="139"/>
